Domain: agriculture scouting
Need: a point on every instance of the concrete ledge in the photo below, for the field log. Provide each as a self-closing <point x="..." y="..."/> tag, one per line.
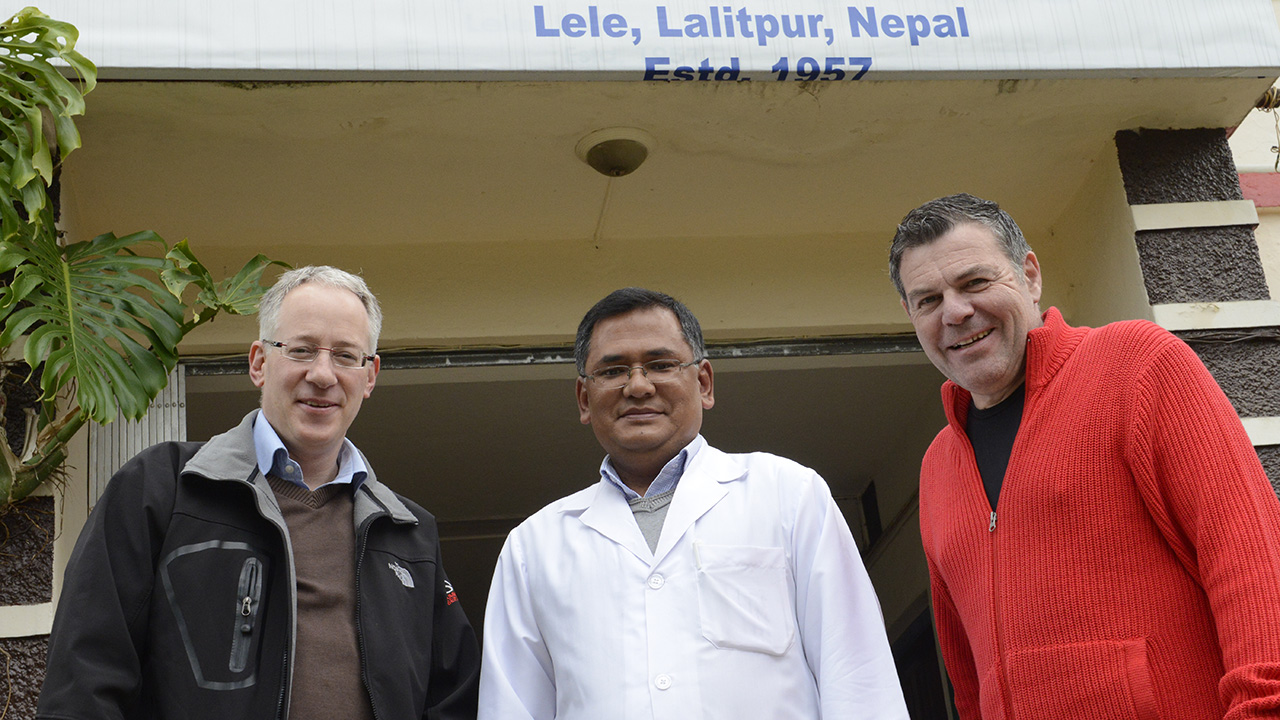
<point x="25" y="620"/>
<point x="1168" y="216"/>
<point x="1217" y="315"/>
<point x="1262" y="430"/>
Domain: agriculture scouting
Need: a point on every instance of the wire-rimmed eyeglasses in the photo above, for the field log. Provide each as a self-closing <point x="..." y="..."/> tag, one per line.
<point x="656" y="371"/>
<point x="348" y="358"/>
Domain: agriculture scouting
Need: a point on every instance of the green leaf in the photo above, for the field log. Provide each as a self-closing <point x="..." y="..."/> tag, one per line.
<point x="239" y="295"/>
<point x="14" y="294"/>
<point x="68" y="135"/>
<point x="10" y="256"/>
<point x="100" y="315"/>
<point x="105" y="316"/>
<point x="29" y="86"/>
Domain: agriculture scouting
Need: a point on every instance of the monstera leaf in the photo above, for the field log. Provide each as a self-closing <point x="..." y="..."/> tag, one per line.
<point x="91" y="316"/>
<point x="32" y="87"/>
<point x="237" y="295"/>
<point x="105" y="320"/>
<point x="97" y="314"/>
<point x="98" y="321"/>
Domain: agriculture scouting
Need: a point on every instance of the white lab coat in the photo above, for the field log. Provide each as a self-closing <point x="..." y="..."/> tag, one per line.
<point x="755" y="605"/>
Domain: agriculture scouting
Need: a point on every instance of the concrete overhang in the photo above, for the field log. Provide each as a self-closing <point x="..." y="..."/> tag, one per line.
<point x="767" y="206"/>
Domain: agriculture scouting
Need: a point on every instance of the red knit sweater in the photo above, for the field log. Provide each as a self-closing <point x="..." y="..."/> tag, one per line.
<point x="1134" y="566"/>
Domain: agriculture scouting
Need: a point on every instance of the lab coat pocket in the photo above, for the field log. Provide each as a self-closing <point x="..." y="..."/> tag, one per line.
<point x="744" y="597"/>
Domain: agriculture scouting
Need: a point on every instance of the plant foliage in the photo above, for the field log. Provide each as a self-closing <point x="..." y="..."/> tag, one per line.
<point x="99" y="321"/>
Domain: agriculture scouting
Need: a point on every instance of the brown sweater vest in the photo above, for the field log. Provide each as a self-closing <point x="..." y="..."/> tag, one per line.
<point x="327" y="680"/>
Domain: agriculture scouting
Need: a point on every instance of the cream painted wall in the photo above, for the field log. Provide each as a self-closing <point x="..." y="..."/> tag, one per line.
<point x="1268" y="236"/>
<point x="510" y="293"/>
<point x="1252" y="140"/>
<point x="1090" y="259"/>
<point x="1251" y="146"/>
<point x="500" y="293"/>
<point x="767" y="207"/>
<point x="73" y="506"/>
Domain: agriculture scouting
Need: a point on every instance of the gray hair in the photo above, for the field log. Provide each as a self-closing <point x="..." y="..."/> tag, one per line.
<point x="937" y="217"/>
<point x="269" y="305"/>
<point x="621" y="302"/>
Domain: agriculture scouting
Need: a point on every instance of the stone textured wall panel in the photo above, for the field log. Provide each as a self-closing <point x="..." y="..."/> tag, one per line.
<point x="1246" y="366"/>
<point x="25" y="663"/>
<point x="1171" y="166"/>
<point x="26" y="552"/>
<point x="1215" y="264"/>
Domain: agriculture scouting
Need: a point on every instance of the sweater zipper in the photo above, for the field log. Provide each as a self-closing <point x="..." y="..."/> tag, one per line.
<point x="1001" y="654"/>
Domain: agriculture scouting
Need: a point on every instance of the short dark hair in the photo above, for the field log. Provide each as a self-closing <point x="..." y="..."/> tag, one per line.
<point x="620" y="302"/>
<point x="937" y="217"/>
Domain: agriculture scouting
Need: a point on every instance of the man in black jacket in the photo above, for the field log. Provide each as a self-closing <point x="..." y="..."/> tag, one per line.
<point x="266" y="573"/>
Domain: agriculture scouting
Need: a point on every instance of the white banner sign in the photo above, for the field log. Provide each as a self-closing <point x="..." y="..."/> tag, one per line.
<point x="758" y="40"/>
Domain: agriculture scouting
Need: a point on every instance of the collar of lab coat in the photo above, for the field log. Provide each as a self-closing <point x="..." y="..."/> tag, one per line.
<point x="704" y="483"/>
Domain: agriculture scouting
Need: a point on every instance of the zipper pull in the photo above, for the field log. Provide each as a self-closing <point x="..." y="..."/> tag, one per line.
<point x="247" y="607"/>
<point x="992" y="527"/>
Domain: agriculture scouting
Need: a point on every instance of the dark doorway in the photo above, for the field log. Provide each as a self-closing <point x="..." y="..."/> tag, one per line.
<point x="916" y="655"/>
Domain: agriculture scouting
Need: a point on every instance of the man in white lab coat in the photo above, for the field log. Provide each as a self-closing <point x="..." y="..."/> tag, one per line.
<point x="687" y="582"/>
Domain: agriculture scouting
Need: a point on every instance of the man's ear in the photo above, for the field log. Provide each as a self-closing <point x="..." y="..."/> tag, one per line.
<point x="257" y="361"/>
<point x="584" y="405"/>
<point x="706" y="384"/>
<point x="1031" y="272"/>
<point x="373" y="375"/>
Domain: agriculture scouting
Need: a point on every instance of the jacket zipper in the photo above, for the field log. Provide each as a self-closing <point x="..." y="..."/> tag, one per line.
<point x="286" y="681"/>
<point x="284" y="662"/>
<point x="364" y="664"/>
<point x="248" y="602"/>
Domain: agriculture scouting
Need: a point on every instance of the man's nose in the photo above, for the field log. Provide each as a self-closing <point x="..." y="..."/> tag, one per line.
<point x="638" y="383"/>
<point x="322" y="372"/>
<point x="956" y="308"/>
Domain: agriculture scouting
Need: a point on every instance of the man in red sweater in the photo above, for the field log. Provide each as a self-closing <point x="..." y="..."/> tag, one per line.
<point x="1102" y="540"/>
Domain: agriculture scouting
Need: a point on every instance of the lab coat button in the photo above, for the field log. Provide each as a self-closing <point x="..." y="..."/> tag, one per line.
<point x="662" y="682"/>
<point x="656" y="581"/>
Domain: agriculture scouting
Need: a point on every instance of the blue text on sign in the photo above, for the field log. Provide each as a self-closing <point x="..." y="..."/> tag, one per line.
<point x="914" y="27"/>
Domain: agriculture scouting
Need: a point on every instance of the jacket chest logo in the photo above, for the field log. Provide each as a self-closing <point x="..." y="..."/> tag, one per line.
<point x="403" y="575"/>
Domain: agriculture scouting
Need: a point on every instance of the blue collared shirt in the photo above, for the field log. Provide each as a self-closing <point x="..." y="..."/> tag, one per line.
<point x="667" y="477"/>
<point x="273" y="458"/>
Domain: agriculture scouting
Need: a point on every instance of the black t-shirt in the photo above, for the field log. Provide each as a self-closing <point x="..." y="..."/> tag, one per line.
<point x="992" y="432"/>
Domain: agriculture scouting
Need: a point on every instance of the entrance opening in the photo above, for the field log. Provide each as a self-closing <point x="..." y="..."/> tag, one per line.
<point x="482" y="447"/>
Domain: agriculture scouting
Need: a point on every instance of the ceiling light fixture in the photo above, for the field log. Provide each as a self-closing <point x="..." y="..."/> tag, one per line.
<point x="614" y="152"/>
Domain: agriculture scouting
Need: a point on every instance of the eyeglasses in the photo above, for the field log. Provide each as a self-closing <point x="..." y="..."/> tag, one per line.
<point x="656" y="371"/>
<point x="304" y="352"/>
